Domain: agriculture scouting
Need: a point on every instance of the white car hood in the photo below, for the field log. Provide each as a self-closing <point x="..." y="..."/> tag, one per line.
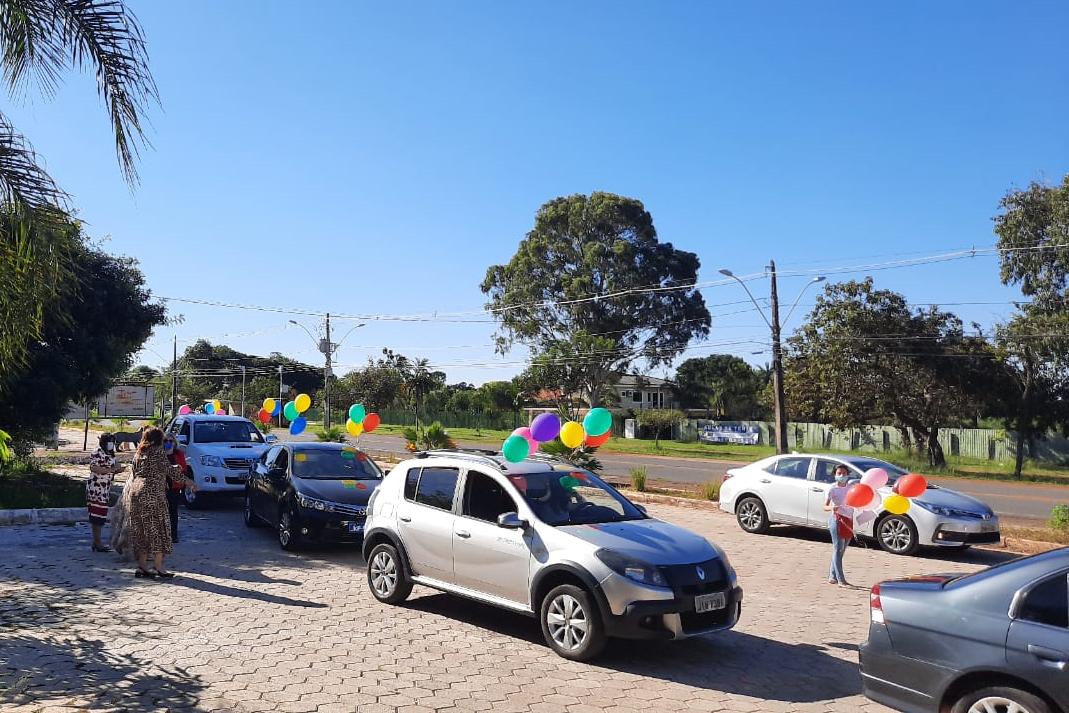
<point x="652" y="541"/>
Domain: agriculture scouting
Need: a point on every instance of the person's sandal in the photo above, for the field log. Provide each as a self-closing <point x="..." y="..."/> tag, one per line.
<point x="144" y="573"/>
<point x="164" y="575"/>
<point x="101" y="548"/>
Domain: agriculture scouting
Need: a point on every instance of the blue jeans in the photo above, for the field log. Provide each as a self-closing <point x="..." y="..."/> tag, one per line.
<point x="838" y="549"/>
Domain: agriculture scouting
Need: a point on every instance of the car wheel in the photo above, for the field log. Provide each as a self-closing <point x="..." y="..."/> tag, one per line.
<point x="247" y="513"/>
<point x="288" y="537"/>
<point x="752" y="516"/>
<point x="572" y="624"/>
<point x="897" y="535"/>
<point x="386" y="575"/>
<point x="1000" y="699"/>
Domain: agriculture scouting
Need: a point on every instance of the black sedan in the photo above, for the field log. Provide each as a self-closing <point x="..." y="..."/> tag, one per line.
<point x="311" y="492"/>
<point x="992" y="642"/>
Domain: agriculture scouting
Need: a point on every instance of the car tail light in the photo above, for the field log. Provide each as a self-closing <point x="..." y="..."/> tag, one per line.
<point x="876" y="606"/>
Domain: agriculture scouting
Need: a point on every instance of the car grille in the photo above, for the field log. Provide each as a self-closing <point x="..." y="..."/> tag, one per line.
<point x="237" y="463"/>
<point x="235" y="480"/>
<point x="692" y="621"/>
<point x="358" y="510"/>
<point x="684" y="579"/>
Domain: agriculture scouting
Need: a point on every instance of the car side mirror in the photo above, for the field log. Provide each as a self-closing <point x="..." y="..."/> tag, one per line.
<point x="642" y="509"/>
<point x="182" y="440"/>
<point x="270" y="438"/>
<point x="511" y="521"/>
<point x="277" y="473"/>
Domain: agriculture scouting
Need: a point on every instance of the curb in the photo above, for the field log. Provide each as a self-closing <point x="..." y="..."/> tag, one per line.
<point x="43" y="516"/>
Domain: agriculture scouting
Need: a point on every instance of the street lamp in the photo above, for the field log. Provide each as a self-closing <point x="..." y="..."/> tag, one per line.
<point x="777" y="352"/>
<point x="327" y="349"/>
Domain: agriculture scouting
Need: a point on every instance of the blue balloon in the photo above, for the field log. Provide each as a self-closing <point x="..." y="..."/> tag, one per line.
<point x="278" y="407"/>
<point x="297" y="425"/>
<point x="209" y="408"/>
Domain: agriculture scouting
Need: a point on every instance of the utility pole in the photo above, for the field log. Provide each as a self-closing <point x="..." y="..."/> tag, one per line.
<point x="777" y="367"/>
<point x="174" y="380"/>
<point x="327" y="348"/>
<point x="243" y="391"/>
<point x="280" y="396"/>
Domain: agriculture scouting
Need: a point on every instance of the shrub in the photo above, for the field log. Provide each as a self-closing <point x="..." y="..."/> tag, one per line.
<point x="1059" y="518"/>
<point x="334" y="434"/>
<point x="710" y="490"/>
<point x="433" y="437"/>
<point x="638" y="479"/>
<point x="581" y="457"/>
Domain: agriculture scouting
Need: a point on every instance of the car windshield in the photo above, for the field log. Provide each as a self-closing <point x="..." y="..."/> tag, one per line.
<point x="226" y="432"/>
<point x="893" y="471"/>
<point x="573" y="497"/>
<point x="334" y="464"/>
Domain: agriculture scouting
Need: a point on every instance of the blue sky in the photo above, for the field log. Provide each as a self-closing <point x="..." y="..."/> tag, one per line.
<point x="376" y="158"/>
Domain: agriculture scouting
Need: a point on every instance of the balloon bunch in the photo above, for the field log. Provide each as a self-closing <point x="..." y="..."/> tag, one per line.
<point x="185" y="409"/>
<point x="213" y="407"/>
<point x="592" y="432"/>
<point x="866" y="499"/>
<point x="292" y="411"/>
<point x="270" y="409"/>
<point x="360" y="421"/>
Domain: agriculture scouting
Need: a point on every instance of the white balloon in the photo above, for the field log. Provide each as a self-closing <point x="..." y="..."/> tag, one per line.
<point x="875" y="478"/>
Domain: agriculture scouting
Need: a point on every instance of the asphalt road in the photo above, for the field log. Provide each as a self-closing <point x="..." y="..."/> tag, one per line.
<point x="1013" y="501"/>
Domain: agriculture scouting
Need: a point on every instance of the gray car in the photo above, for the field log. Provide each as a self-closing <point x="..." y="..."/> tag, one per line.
<point x="992" y="642"/>
<point x="791" y="489"/>
<point x="549" y="540"/>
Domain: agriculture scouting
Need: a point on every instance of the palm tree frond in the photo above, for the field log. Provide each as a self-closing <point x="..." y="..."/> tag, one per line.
<point x="106" y="36"/>
<point x="27" y="32"/>
<point x="23" y="183"/>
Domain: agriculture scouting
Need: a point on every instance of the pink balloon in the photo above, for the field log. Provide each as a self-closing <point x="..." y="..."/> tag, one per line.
<point x="875" y="478"/>
<point x="184" y="410"/>
<point x="221" y="412"/>
<point x="525" y="433"/>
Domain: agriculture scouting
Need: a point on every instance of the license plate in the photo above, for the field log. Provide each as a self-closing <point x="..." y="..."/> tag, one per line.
<point x="355" y="526"/>
<point x="710" y="602"/>
<point x="987" y="527"/>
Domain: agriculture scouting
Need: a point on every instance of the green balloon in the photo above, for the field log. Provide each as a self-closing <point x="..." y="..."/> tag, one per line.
<point x="597" y="422"/>
<point x="290" y="411"/>
<point x="515" y="449"/>
<point x="357" y="412"/>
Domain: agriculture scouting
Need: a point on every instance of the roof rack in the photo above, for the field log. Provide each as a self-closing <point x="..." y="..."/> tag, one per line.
<point x="481" y="455"/>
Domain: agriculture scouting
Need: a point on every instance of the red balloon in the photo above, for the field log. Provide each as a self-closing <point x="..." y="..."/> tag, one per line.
<point x="595" y="441"/>
<point x="911" y="485"/>
<point x="371" y="422"/>
<point x="264" y="416"/>
<point x="859" y="495"/>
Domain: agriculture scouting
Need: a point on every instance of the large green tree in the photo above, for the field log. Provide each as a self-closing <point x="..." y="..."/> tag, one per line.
<point x="866" y="356"/>
<point x="722" y="384"/>
<point x="110" y="315"/>
<point x="42" y="40"/>
<point x="1033" y="241"/>
<point x="591" y="284"/>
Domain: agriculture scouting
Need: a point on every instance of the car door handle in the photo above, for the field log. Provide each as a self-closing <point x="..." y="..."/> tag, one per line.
<point x="1049" y="657"/>
<point x="765" y="480"/>
<point x="817" y="490"/>
<point x="463" y="533"/>
<point x="404" y="518"/>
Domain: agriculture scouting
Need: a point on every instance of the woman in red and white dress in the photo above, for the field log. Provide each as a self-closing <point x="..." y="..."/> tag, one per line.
<point x="102" y="470"/>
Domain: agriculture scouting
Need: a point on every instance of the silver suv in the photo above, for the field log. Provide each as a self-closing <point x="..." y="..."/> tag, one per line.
<point x="547" y="539"/>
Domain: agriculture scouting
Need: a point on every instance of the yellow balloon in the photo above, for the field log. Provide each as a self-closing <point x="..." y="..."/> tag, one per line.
<point x="269" y="405"/>
<point x="572" y="434"/>
<point x="354" y="428"/>
<point x="896" y="504"/>
<point x="218" y="405"/>
<point x="302" y="402"/>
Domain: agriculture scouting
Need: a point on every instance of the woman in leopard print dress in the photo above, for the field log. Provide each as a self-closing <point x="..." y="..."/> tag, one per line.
<point x="149" y="521"/>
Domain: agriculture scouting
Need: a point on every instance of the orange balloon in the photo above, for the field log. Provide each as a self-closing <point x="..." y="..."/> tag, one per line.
<point x="371" y="422"/>
<point x="595" y="441"/>
<point x="911" y="485"/>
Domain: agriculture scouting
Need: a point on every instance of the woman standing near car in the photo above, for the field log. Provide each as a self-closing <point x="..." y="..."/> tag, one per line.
<point x="840" y="524"/>
<point x="102" y="469"/>
<point x="150" y="526"/>
<point x="174" y="487"/>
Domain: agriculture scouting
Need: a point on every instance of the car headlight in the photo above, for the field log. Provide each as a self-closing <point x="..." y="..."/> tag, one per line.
<point x="945" y="511"/>
<point x="312" y="503"/>
<point x="215" y="461"/>
<point x="633" y="569"/>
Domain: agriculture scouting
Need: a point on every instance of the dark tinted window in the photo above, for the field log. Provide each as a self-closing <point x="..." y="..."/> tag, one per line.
<point x="185" y="429"/>
<point x="411" y="478"/>
<point x="227" y="432"/>
<point x="283" y="459"/>
<point x="793" y="467"/>
<point x="1048" y="602"/>
<point x="826" y="471"/>
<point x="436" y="487"/>
<point x="484" y="498"/>
<point x="340" y="464"/>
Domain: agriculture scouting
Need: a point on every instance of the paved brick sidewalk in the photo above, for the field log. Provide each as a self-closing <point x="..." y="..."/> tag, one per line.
<point x="247" y="627"/>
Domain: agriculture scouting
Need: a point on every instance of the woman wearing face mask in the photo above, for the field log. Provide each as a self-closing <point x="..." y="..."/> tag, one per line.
<point x="174" y="486"/>
<point x="150" y="526"/>
<point x="840" y="524"/>
<point x="102" y="470"/>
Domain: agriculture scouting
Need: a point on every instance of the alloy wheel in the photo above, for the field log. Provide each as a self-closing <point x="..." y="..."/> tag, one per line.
<point x="997" y="704"/>
<point x="750" y="515"/>
<point x="285" y="525"/>
<point x="383" y="574"/>
<point x="896" y="536"/>
<point x="567" y="622"/>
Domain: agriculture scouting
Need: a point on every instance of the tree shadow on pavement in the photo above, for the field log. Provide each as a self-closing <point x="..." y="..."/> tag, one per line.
<point x="730" y="662"/>
<point x="36" y="670"/>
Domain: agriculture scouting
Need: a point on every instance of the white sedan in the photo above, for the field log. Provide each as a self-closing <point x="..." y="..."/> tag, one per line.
<point x="791" y="489"/>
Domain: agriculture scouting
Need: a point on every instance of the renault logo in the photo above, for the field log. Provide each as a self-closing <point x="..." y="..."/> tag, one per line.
<point x="701" y="573"/>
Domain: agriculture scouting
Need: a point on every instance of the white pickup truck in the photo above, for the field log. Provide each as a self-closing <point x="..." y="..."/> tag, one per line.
<point x="219" y="452"/>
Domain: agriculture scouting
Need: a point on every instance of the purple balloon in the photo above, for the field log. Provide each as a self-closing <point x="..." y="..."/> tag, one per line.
<point x="545" y="427"/>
